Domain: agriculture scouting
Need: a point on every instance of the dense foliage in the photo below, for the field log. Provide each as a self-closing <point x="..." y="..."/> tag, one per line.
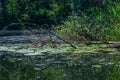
<point x="42" y="11"/>
<point x="35" y="11"/>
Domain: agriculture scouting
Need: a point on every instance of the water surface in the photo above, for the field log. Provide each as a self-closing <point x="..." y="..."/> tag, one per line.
<point x="86" y="66"/>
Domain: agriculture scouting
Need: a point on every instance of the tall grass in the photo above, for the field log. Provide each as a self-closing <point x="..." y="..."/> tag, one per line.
<point x="100" y="24"/>
<point x="82" y="26"/>
<point x="114" y="15"/>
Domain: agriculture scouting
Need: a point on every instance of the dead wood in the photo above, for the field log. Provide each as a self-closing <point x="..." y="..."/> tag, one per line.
<point x="100" y="42"/>
<point x="63" y="40"/>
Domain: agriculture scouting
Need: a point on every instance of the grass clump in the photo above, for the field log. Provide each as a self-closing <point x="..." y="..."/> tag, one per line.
<point x="101" y="24"/>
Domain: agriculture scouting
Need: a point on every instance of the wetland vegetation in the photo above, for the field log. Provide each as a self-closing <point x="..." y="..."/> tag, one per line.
<point x="59" y="40"/>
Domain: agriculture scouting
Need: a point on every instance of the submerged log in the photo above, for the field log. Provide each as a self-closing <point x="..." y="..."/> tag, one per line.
<point x="100" y="42"/>
<point x="115" y="45"/>
<point x="112" y="44"/>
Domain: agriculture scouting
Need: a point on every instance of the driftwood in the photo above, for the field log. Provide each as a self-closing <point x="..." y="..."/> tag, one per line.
<point x="115" y="45"/>
<point x="15" y="24"/>
<point x="100" y="42"/>
<point x="63" y="40"/>
<point x="112" y="44"/>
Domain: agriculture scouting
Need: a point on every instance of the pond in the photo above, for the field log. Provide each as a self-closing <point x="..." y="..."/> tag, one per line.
<point x="69" y="66"/>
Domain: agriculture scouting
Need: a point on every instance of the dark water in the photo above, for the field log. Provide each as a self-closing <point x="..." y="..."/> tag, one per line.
<point x="86" y="66"/>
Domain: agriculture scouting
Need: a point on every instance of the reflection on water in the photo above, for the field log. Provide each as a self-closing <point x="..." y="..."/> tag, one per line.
<point x="16" y="66"/>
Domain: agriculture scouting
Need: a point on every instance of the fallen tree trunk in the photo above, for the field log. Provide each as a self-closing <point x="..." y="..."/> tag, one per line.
<point x="100" y="42"/>
<point x="115" y="45"/>
<point x="112" y="44"/>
